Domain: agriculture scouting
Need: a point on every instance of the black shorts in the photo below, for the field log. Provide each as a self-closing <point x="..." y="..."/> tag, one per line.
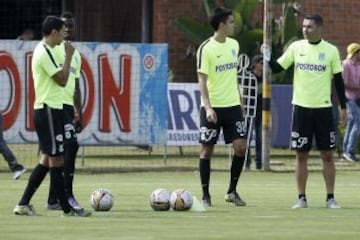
<point x="68" y="119"/>
<point x="50" y="130"/>
<point x="312" y="122"/>
<point x="231" y="121"/>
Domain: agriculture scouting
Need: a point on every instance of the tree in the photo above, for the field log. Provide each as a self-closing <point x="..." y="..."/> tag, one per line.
<point x="248" y="33"/>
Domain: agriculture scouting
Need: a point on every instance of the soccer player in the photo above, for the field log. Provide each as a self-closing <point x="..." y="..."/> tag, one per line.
<point x="72" y="125"/>
<point x="217" y="63"/>
<point x="49" y="79"/>
<point x="316" y="63"/>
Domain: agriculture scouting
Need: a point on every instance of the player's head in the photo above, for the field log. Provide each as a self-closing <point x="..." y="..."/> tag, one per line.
<point x="312" y="26"/>
<point x="54" y="27"/>
<point x="69" y="21"/>
<point x="222" y="19"/>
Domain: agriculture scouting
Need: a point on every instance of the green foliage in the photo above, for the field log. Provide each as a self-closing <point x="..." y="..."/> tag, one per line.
<point x="196" y="31"/>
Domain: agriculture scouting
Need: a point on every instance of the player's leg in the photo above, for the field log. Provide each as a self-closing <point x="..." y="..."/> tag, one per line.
<point x="235" y="132"/>
<point x="301" y="175"/>
<point x="206" y="151"/>
<point x="326" y="141"/>
<point x="38" y="174"/>
<point x="209" y="133"/>
<point x="301" y="141"/>
<point x="70" y="151"/>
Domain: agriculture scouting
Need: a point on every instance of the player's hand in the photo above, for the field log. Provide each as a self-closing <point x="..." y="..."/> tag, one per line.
<point x="211" y="115"/>
<point x="78" y="125"/>
<point x="69" y="48"/>
<point x="343" y="117"/>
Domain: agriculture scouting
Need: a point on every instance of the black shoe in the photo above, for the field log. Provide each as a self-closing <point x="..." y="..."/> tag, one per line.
<point x="206" y="200"/>
<point x="77" y="212"/>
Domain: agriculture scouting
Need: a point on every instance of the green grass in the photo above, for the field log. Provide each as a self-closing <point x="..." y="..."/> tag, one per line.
<point x="268" y="215"/>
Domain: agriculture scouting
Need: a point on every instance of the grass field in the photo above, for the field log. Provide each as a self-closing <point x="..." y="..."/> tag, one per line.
<point x="130" y="158"/>
<point x="268" y="215"/>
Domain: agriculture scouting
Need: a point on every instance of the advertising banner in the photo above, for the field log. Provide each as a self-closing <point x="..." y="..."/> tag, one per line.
<point x="123" y="88"/>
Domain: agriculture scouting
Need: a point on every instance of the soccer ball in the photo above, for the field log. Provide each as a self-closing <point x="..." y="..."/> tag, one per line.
<point x="102" y="200"/>
<point x="160" y="199"/>
<point x="181" y="200"/>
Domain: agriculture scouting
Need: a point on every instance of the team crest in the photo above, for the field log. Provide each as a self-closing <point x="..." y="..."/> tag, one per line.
<point x="321" y="56"/>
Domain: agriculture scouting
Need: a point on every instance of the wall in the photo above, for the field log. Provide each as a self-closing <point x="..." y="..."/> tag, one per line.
<point x="165" y="30"/>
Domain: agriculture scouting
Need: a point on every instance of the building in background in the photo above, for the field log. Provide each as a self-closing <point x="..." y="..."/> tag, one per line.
<point x="154" y="21"/>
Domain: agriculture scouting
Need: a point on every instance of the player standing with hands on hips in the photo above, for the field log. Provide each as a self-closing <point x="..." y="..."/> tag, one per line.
<point x="217" y="64"/>
<point x="316" y="63"/>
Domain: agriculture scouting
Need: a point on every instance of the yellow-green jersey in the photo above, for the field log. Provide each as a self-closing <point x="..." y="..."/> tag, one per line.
<point x="219" y="61"/>
<point x="314" y="67"/>
<point x="45" y="64"/>
<point x="75" y="68"/>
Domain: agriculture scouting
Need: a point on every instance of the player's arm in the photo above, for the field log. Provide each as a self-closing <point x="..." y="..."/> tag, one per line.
<point x="78" y="108"/>
<point x="340" y="89"/>
<point x="62" y="76"/>
<point x="242" y="101"/>
<point x="274" y="65"/>
<point x="210" y="113"/>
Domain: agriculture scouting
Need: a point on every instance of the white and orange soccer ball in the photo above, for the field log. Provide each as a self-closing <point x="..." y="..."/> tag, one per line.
<point x="160" y="199"/>
<point x="181" y="200"/>
<point x="102" y="200"/>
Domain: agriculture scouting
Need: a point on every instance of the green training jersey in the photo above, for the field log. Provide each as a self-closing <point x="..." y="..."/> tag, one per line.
<point x="219" y="61"/>
<point x="74" y="74"/>
<point x="314" y="67"/>
<point x="44" y="65"/>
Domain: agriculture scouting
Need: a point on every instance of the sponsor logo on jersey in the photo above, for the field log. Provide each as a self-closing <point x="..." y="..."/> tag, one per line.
<point x="226" y="66"/>
<point x="310" y="67"/>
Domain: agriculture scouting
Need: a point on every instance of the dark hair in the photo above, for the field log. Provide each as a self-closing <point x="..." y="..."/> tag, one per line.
<point x="221" y="14"/>
<point x="67" y="14"/>
<point x="50" y="23"/>
<point x="316" y="18"/>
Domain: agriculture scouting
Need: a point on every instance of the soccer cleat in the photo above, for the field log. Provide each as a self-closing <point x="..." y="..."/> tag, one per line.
<point x="54" y="206"/>
<point x="18" y="173"/>
<point x="301" y="203"/>
<point x="331" y="203"/>
<point x="234" y="198"/>
<point x="25" y="210"/>
<point x="77" y="213"/>
<point x="350" y="157"/>
<point x="74" y="204"/>
<point x="206" y="200"/>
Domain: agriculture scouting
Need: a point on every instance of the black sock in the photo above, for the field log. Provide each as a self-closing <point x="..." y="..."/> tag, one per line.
<point x="35" y="179"/>
<point x="57" y="183"/>
<point x="52" y="198"/>
<point x="237" y="165"/>
<point x="70" y="149"/>
<point x="329" y="196"/>
<point x="204" y="168"/>
<point x="302" y="196"/>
